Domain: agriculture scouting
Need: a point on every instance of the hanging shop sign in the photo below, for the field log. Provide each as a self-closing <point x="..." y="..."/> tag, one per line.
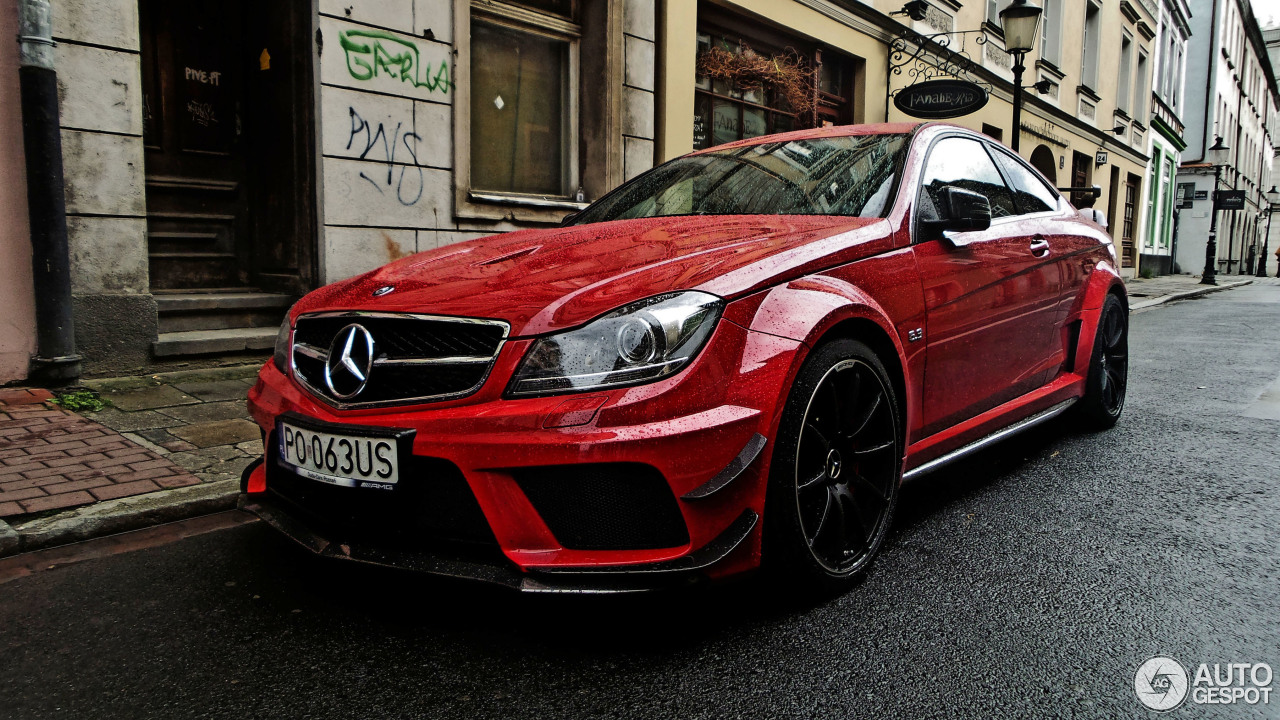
<point x="1230" y="200"/>
<point x="938" y="99"/>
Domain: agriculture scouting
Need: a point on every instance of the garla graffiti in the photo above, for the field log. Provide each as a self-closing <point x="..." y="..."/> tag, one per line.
<point x="371" y="53"/>
<point x="374" y="139"/>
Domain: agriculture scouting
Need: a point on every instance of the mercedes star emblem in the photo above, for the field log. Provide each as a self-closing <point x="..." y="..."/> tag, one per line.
<point x="346" y="372"/>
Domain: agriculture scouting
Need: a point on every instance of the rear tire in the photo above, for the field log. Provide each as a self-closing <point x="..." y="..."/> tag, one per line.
<point x="836" y="468"/>
<point x="1108" y="380"/>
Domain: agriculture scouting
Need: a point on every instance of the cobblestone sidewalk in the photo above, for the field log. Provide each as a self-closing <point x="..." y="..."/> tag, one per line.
<point x="196" y="419"/>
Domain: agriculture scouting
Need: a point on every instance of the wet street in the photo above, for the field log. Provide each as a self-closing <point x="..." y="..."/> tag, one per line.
<point x="1030" y="581"/>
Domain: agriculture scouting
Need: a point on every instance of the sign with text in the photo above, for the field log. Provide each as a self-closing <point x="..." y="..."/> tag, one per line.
<point x="938" y="99"/>
<point x="1229" y="200"/>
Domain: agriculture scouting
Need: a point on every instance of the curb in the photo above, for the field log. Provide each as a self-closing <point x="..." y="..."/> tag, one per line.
<point x="117" y="516"/>
<point x="1152" y="302"/>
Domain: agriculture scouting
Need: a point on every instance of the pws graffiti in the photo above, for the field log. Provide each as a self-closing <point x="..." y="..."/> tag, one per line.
<point x="374" y="140"/>
<point x="371" y="53"/>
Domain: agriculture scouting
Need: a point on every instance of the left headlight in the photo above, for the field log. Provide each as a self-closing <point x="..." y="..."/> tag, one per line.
<point x="281" y="356"/>
<point x="638" y="343"/>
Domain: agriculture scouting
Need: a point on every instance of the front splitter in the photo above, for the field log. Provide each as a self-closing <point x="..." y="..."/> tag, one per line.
<point x="679" y="572"/>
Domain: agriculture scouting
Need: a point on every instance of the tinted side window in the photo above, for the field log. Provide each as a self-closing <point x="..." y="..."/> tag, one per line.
<point x="962" y="163"/>
<point x="1030" y="192"/>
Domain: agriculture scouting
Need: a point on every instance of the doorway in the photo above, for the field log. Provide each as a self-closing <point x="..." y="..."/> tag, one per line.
<point x="1128" y="249"/>
<point x="228" y="130"/>
<point x="1042" y="160"/>
<point x="1080" y="165"/>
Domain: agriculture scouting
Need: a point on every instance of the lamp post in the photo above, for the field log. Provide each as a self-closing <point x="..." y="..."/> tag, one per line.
<point x="1216" y="155"/>
<point x="1273" y="199"/>
<point x="1020" y="22"/>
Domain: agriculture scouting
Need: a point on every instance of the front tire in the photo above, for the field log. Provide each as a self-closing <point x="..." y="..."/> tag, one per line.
<point x="836" y="469"/>
<point x="1108" y="381"/>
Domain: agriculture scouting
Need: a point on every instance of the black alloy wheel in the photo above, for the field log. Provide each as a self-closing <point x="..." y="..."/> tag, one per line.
<point x="836" y="467"/>
<point x="1108" y="379"/>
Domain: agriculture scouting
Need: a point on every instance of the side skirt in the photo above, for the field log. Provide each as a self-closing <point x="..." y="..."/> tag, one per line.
<point x="976" y="445"/>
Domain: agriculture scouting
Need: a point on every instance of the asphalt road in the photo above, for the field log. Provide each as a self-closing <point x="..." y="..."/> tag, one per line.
<point x="1031" y="581"/>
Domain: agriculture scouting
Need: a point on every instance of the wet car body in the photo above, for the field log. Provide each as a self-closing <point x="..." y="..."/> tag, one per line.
<point x="640" y="485"/>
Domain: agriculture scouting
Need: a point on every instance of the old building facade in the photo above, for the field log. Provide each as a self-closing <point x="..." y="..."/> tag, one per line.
<point x="1230" y="94"/>
<point x="221" y="158"/>
<point x="1166" y="141"/>
<point x="1090" y="128"/>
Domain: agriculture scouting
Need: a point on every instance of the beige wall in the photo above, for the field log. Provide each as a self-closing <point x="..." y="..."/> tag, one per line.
<point x="17" y="320"/>
<point x="1057" y="117"/>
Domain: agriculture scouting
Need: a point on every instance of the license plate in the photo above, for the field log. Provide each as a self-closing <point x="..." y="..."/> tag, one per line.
<point x="338" y="459"/>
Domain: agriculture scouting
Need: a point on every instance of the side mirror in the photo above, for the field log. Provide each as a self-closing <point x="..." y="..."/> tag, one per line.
<point x="964" y="210"/>
<point x="568" y="219"/>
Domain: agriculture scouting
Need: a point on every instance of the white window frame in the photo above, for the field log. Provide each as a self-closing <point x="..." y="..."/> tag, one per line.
<point x="1140" y="99"/>
<point x="1124" y="84"/>
<point x="1087" y="79"/>
<point x="492" y="205"/>
<point x="1051" y="33"/>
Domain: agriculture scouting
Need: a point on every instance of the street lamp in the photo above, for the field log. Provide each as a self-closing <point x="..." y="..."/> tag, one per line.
<point x="1020" y="22"/>
<point x="1218" y="155"/>
<point x="1273" y="199"/>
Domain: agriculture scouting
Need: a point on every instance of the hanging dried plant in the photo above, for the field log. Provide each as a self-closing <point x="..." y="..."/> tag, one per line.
<point x="789" y="76"/>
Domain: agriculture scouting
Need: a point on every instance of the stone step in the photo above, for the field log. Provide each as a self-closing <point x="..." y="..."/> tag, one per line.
<point x="208" y="342"/>
<point x="220" y="320"/>
<point x="207" y="301"/>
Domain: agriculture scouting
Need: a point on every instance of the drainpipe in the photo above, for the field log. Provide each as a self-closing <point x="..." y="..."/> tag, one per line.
<point x="56" y="362"/>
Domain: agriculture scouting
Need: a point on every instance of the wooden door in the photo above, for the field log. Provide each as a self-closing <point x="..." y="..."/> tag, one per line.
<point x="1128" y="251"/>
<point x="1079" y="174"/>
<point x="193" y="79"/>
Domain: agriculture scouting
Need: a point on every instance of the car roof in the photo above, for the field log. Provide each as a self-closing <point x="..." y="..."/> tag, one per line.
<point x="829" y="131"/>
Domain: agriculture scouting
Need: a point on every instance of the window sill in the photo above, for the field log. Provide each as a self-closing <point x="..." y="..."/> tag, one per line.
<point x="474" y="205"/>
<point x="1088" y="92"/>
<point x="1050" y="68"/>
<point x="527" y="201"/>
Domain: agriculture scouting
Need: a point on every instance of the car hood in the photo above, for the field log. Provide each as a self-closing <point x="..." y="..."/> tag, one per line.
<point x="550" y="279"/>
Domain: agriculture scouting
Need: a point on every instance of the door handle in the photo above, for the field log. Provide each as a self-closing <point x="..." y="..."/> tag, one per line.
<point x="1039" y="247"/>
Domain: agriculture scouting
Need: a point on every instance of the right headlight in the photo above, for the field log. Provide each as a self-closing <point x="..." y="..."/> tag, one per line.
<point x="638" y="343"/>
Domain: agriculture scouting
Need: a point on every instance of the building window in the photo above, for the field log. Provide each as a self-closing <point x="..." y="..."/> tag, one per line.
<point x="1166" y="225"/>
<point x="1140" y="100"/>
<point x="1126" y="74"/>
<point x="993" y="11"/>
<point x="1092" y="31"/>
<point x="523" y="122"/>
<point x="1051" y="32"/>
<point x="724" y="112"/>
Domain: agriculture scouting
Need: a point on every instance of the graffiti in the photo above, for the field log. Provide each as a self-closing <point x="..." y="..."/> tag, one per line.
<point x="377" y="142"/>
<point x="371" y="53"/>
<point x="202" y="113"/>
<point x="204" y="76"/>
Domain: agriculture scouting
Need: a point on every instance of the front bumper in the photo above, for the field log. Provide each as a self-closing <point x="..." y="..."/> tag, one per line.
<point x="678" y="572"/>
<point x="702" y="431"/>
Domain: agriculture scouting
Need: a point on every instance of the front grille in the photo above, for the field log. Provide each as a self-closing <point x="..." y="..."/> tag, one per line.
<point x="605" y="506"/>
<point x="431" y="507"/>
<point x="415" y="358"/>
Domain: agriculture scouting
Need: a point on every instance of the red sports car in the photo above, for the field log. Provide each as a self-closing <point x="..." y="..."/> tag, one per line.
<point x="730" y="362"/>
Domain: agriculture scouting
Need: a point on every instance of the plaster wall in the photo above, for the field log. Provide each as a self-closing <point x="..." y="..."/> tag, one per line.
<point x="17" y="321"/>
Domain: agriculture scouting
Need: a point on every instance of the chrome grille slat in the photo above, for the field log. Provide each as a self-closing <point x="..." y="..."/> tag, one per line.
<point x="417" y="358"/>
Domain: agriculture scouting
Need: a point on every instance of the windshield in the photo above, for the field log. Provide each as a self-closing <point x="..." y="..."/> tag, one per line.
<point x="852" y="176"/>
